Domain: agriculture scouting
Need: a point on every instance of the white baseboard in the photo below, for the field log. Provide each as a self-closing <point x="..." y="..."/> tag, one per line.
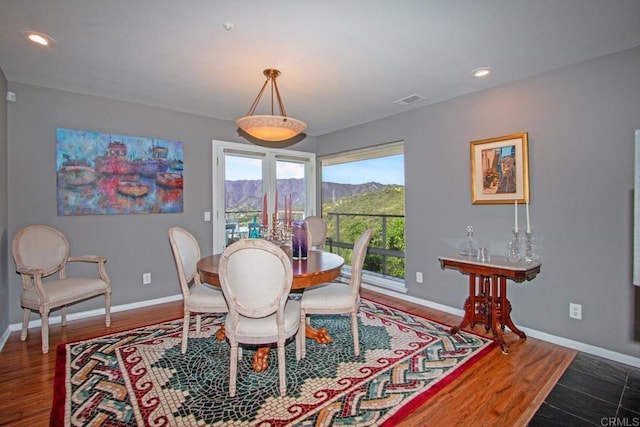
<point x="576" y="345"/>
<point x="85" y="314"/>
<point x="4" y="337"/>
<point x="564" y="342"/>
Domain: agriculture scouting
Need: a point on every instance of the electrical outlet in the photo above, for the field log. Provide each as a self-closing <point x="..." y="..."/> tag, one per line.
<point x="419" y="276"/>
<point x="207" y="216"/>
<point x="575" y="311"/>
<point x="146" y="279"/>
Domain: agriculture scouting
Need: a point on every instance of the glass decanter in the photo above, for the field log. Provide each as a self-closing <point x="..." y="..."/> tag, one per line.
<point x="467" y="248"/>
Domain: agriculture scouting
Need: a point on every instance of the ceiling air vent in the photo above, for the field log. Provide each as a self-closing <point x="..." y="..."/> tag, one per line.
<point x="411" y="99"/>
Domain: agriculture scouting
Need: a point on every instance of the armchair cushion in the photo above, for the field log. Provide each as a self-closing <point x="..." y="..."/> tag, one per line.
<point x="61" y="292"/>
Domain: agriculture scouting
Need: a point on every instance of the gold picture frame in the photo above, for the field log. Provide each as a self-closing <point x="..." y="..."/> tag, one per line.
<point x="500" y="170"/>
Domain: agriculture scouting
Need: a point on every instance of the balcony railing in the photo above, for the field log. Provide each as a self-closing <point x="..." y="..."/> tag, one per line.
<point x="384" y="245"/>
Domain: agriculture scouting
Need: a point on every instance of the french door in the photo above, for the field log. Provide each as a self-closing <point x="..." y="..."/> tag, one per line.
<point x="255" y="188"/>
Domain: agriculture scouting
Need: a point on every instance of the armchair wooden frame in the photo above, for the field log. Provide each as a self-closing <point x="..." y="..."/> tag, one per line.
<point x="40" y="251"/>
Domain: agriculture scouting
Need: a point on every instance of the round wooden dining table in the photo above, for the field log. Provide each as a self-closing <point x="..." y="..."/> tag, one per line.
<point x="319" y="267"/>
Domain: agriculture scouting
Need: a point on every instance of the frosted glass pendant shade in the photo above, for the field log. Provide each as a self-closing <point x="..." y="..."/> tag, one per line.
<point x="270" y="127"/>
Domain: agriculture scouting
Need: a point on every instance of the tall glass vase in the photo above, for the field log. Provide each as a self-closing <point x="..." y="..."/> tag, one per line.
<point x="299" y="244"/>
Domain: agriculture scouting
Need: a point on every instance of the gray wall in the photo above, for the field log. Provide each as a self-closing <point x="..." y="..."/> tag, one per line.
<point x="581" y="122"/>
<point x="4" y="206"/>
<point x="134" y="244"/>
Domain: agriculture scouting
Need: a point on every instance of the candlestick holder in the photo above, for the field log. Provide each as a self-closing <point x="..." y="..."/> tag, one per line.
<point x="528" y="246"/>
<point x="279" y="233"/>
<point x="513" y="247"/>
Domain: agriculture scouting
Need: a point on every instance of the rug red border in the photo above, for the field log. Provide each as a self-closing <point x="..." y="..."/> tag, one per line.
<point x="56" y="417"/>
<point x="427" y="394"/>
<point x="59" y="387"/>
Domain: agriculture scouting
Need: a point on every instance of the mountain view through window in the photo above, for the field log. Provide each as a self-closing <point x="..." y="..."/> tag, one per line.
<point x="361" y="191"/>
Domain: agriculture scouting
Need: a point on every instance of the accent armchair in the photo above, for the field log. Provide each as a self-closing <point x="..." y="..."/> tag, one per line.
<point x="40" y="251"/>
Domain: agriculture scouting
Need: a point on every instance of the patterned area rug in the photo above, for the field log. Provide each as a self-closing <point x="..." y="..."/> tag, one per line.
<point x="140" y="378"/>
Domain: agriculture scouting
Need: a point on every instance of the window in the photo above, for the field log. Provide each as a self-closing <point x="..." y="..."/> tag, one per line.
<point x="248" y="182"/>
<point x="362" y="189"/>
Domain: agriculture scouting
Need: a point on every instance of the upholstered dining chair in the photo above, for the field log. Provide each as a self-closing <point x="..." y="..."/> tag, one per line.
<point x="39" y="251"/>
<point x="256" y="277"/>
<point x="338" y="298"/>
<point x="317" y="229"/>
<point x="197" y="297"/>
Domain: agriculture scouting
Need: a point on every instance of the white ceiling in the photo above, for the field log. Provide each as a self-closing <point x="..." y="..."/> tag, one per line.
<point x="343" y="62"/>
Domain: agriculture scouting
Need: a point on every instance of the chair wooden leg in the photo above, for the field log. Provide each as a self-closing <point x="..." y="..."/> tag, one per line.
<point x="354" y="332"/>
<point x="198" y="323"/>
<point x="299" y="340"/>
<point x="233" y="368"/>
<point x="63" y="315"/>
<point x="107" y="308"/>
<point x="185" y="331"/>
<point x="26" y="314"/>
<point x="303" y="325"/>
<point x="45" y="331"/>
<point x="282" y="370"/>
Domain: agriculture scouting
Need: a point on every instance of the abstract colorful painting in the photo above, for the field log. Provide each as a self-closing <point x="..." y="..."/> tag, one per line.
<point x="106" y="174"/>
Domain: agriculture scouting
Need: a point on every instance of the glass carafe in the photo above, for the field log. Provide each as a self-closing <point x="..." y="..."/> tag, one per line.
<point x="467" y="248"/>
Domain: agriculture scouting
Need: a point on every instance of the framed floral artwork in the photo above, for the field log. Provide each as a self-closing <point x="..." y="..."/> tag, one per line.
<point x="500" y="170"/>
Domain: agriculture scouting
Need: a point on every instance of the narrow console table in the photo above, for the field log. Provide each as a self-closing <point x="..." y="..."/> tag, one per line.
<point x="487" y="302"/>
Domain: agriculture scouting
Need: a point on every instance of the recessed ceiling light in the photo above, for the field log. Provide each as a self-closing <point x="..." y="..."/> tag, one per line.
<point x="39" y="38"/>
<point x="481" y="72"/>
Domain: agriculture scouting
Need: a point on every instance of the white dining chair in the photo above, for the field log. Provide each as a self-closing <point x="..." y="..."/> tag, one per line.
<point x="256" y="278"/>
<point x="197" y="297"/>
<point x="336" y="297"/>
<point x="317" y="229"/>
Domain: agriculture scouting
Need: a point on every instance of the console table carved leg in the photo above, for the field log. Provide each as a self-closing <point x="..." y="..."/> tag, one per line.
<point x="496" y="325"/>
<point x="484" y="309"/>
<point x="469" y="307"/>
<point x="505" y="308"/>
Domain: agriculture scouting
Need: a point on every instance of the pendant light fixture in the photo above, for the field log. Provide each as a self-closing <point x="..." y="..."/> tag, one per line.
<point x="270" y="127"/>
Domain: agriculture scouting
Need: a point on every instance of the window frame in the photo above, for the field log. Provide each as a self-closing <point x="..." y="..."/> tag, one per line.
<point x="270" y="157"/>
<point x="366" y="153"/>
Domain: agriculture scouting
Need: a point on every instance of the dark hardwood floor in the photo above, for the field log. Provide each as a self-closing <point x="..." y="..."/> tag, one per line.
<point x="500" y="390"/>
